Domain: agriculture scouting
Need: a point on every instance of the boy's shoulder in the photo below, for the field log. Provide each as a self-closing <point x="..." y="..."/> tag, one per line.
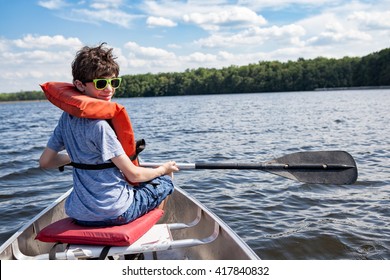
<point x="85" y="122"/>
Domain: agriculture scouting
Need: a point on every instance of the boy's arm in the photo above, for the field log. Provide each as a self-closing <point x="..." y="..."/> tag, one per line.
<point x="140" y="174"/>
<point x="52" y="159"/>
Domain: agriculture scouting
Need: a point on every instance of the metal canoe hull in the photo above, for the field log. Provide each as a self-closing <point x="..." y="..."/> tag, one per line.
<point x="181" y="208"/>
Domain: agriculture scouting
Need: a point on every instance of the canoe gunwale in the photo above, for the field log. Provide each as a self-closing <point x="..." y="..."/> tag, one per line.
<point x="22" y="229"/>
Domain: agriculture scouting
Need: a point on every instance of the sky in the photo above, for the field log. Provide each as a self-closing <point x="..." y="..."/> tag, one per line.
<point x="39" y="38"/>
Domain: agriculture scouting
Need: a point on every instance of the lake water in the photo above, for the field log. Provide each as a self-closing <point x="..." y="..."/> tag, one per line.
<point x="279" y="218"/>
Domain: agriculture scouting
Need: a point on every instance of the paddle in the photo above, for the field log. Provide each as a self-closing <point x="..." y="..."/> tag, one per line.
<point x="322" y="167"/>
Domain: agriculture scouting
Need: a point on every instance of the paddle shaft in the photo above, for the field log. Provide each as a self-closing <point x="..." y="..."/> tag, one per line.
<point x="256" y="166"/>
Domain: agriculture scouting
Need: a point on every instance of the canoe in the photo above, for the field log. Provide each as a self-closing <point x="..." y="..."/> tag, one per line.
<point x="187" y="230"/>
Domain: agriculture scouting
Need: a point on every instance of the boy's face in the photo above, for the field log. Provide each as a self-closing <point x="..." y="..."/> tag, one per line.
<point x="89" y="88"/>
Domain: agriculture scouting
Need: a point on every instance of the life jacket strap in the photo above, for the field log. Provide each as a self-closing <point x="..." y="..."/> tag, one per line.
<point x="140" y="146"/>
<point x="99" y="166"/>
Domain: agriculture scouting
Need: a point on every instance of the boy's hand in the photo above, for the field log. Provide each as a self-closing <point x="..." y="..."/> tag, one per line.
<point x="170" y="167"/>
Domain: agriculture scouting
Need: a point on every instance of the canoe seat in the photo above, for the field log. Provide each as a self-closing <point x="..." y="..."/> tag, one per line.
<point x="67" y="231"/>
<point x="140" y="236"/>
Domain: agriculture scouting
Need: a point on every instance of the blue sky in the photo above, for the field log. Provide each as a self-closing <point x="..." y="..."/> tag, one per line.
<point x="39" y="38"/>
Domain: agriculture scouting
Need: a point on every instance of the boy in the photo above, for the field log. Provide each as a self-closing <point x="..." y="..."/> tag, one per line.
<point x="102" y="197"/>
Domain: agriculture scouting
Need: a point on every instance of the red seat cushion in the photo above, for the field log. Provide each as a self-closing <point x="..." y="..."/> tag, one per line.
<point x="67" y="231"/>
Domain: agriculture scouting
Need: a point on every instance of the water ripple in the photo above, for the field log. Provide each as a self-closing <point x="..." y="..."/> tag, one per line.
<point x="278" y="218"/>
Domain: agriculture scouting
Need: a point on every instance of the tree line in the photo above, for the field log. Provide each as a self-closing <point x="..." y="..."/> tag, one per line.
<point x="265" y="76"/>
<point x="22" y="96"/>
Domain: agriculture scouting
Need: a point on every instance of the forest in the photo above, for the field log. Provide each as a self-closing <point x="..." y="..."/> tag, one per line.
<point x="372" y="70"/>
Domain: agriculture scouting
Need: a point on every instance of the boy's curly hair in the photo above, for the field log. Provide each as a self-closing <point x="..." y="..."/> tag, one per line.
<point x="94" y="62"/>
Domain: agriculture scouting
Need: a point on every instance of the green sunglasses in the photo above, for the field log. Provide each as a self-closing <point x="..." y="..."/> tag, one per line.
<point x="101" y="84"/>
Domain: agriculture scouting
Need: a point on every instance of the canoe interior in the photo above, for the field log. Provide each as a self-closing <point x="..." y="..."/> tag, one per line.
<point x="181" y="208"/>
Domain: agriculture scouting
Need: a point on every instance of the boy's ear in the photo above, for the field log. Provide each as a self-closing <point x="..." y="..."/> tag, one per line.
<point x="79" y="85"/>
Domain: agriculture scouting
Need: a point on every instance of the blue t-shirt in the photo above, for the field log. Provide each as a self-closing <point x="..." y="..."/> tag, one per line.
<point x="97" y="194"/>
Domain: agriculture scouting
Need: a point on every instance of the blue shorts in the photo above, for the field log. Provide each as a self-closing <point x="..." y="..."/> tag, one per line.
<point x="147" y="196"/>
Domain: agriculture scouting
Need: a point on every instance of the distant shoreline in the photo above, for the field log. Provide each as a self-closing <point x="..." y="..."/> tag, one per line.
<point x="352" y="88"/>
<point x="316" y="89"/>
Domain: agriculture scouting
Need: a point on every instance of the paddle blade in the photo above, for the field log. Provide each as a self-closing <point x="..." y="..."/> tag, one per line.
<point x="322" y="167"/>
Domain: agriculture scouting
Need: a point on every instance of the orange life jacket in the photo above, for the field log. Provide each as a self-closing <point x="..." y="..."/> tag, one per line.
<point x="66" y="97"/>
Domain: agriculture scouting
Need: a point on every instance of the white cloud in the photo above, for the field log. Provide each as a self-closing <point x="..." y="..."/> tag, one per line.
<point x="139" y="59"/>
<point x="216" y="18"/>
<point x="52" y="4"/>
<point x="280" y="4"/>
<point x="106" y="4"/>
<point x="199" y="57"/>
<point x="209" y="15"/>
<point x="43" y="42"/>
<point x="112" y="16"/>
<point x="160" y="21"/>
<point x="32" y="60"/>
<point x="36" y="57"/>
<point x="338" y="26"/>
<point x="254" y="36"/>
<point x="93" y="12"/>
<point x="335" y="32"/>
<point x="150" y="52"/>
<point x="167" y="9"/>
<point x="174" y="46"/>
<point x="380" y="20"/>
